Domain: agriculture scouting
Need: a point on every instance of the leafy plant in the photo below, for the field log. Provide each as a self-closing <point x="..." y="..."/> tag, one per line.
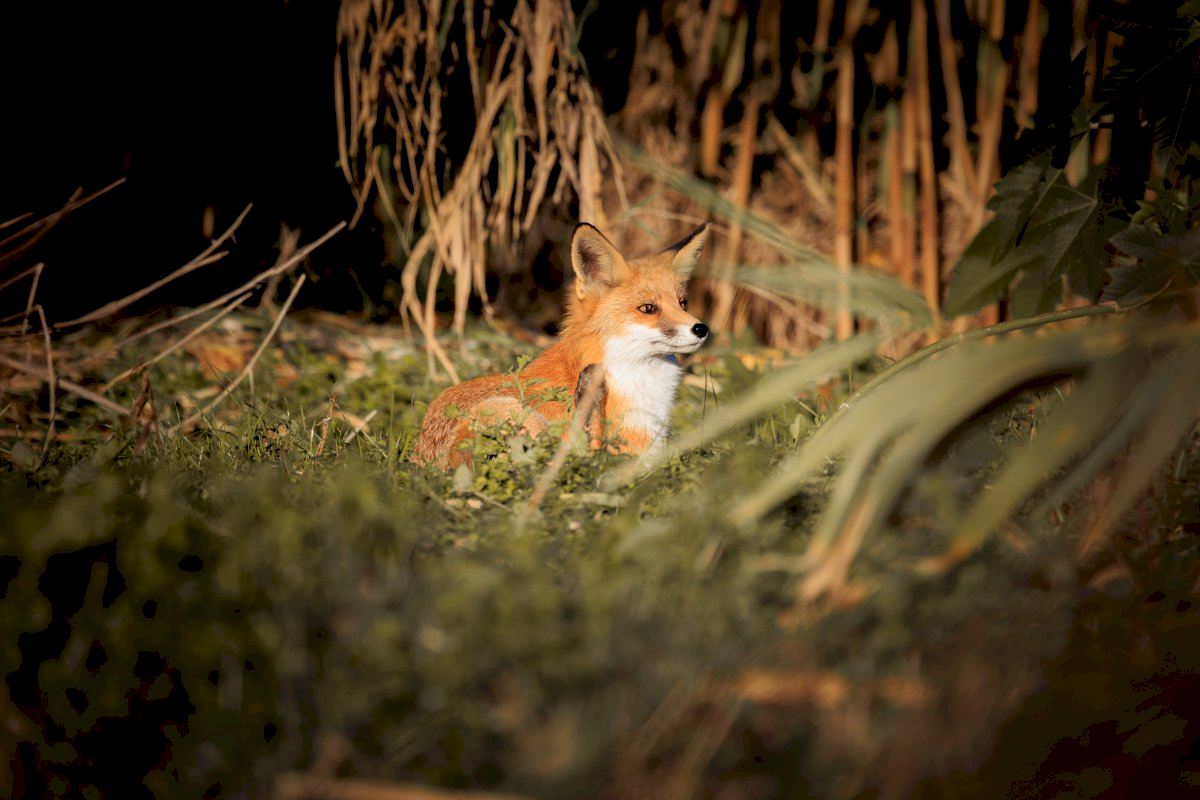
<point x="1048" y="236"/>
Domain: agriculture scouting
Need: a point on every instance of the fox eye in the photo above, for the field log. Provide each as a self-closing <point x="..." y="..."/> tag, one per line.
<point x="648" y="308"/>
<point x="683" y="303"/>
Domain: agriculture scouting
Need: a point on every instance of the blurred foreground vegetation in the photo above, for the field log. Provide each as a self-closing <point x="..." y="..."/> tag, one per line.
<point x="197" y="615"/>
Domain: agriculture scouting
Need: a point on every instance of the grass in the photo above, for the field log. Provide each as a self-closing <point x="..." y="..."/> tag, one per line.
<point x="246" y="600"/>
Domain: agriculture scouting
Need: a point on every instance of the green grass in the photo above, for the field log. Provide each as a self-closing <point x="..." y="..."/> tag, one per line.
<point x="260" y="598"/>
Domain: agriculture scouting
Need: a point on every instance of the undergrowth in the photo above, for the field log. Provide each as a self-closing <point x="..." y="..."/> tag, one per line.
<point x="195" y="615"/>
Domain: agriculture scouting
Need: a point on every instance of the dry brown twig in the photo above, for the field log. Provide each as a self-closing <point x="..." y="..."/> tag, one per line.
<point x="253" y="283"/>
<point x="144" y="414"/>
<point x="143" y="366"/>
<point x="42" y="226"/>
<point x="52" y="383"/>
<point x="209" y="256"/>
<point x="228" y="390"/>
<point x="323" y="424"/>
<point x="68" y="386"/>
<point x="36" y="272"/>
<point x="250" y="365"/>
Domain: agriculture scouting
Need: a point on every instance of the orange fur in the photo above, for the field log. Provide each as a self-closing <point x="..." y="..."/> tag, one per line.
<point x="603" y="325"/>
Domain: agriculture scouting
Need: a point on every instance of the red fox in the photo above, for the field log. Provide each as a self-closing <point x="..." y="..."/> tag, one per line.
<point x="626" y="322"/>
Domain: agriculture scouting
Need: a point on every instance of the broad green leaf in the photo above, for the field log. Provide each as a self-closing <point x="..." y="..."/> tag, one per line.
<point x="1171" y="421"/>
<point x="892" y="430"/>
<point x="992" y="259"/>
<point x="1161" y="258"/>
<point x="1043" y="229"/>
<point x="1035" y="293"/>
<point x="1135" y="283"/>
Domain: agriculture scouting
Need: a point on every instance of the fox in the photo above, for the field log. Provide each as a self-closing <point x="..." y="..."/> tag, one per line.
<point x="625" y="325"/>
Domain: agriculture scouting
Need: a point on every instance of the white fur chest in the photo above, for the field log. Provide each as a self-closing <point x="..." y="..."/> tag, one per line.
<point x="646" y="384"/>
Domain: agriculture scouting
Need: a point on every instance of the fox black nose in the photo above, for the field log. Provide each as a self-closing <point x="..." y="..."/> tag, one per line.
<point x="700" y="329"/>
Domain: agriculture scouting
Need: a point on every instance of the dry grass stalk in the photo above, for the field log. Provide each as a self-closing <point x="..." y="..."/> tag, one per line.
<point x="1027" y="76"/>
<point x="63" y="360"/>
<point x="712" y="118"/>
<point x="539" y="138"/>
<point x="909" y="161"/>
<point x="991" y="96"/>
<point x="812" y="179"/>
<point x="52" y="382"/>
<point x="668" y="755"/>
<point x="824" y="23"/>
<point x="996" y="20"/>
<point x="843" y="243"/>
<point x="228" y="390"/>
<point x="962" y="164"/>
<point x="35" y="270"/>
<point x="159" y="356"/>
<point x="209" y="256"/>
<point x="12" y="248"/>
<point x="1103" y="48"/>
<point x="536" y="146"/>
<point x="930" y="278"/>
<point x="725" y="290"/>
<point x="258" y="280"/>
<point x="67" y="386"/>
<point x="896" y="211"/>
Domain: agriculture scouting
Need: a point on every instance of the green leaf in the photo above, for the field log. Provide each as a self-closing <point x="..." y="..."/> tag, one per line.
<point x="992" y="259"/>
<point x="1044" y="229"/>
<point x="1136" y="283"/>
<point x="1161" y="258"/>
<point x="1035" y="293"/>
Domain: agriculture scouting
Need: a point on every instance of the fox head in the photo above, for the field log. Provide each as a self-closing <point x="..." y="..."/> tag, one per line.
<point x="637" y="305"/>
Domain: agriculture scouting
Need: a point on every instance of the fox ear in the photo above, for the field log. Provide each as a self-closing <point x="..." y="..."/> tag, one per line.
<point x="686" y="252"/>
<point x="596" y="262"/>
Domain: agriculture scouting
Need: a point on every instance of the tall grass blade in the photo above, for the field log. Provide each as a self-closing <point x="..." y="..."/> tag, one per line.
<point x="1171" y="421"/>
<point x="770" y="392"/>
<point x="1097" y="403"/>
<point x="809" y="274"/>
<point x="924" y="404"/>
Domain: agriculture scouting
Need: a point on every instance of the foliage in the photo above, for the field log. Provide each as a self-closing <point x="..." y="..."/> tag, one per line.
<point x="1048" y="235"/>
<point x="240" y="597"/>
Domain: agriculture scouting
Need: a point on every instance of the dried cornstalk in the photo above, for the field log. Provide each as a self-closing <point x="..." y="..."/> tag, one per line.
<point x="539" y="138"/>
<point x="843" y="243"/>
<point x="1031" y="51"/>
<point x="930" y="278"/>
<point x="960" y="155"/>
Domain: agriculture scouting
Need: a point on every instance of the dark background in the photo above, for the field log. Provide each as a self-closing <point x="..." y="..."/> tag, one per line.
<point x="196" y="104"/>
<point x="224" y="103"/>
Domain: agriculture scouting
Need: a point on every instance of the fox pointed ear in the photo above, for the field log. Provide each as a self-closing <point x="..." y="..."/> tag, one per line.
<point x="686" y="252"/>
<point x="596" y="262"/>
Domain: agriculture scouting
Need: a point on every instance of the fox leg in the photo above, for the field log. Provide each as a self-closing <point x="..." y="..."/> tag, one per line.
<point x="591" y="380"/>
